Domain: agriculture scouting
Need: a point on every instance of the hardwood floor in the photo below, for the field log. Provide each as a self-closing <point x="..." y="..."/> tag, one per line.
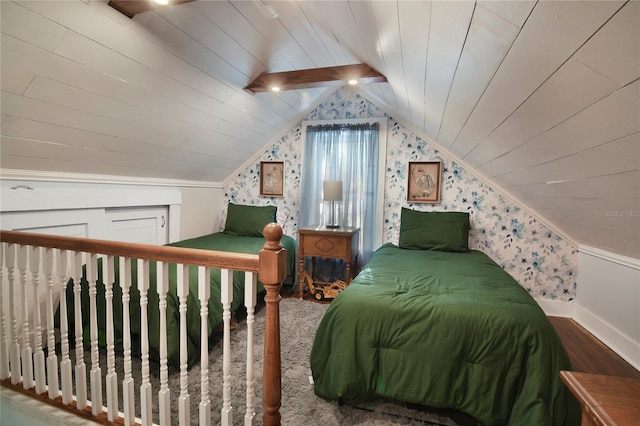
<point x="588" y="354"/>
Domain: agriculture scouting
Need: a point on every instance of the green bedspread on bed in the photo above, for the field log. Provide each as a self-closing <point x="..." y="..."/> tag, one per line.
<point x="217" y="241"/>
<point x="443" y="330"/>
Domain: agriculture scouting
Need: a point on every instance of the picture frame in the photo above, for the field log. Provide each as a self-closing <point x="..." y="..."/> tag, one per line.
<point x="423" y="184"/>
<point x="272" y="178"/>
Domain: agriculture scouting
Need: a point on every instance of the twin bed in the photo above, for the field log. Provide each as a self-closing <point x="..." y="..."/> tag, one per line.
<point x="432" y="323"/>
<point x="242" y="234"/>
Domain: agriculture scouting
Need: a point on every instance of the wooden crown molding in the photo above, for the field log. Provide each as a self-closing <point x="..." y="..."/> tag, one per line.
<point x="131" y="8"/>
<point x="315" y="77"/>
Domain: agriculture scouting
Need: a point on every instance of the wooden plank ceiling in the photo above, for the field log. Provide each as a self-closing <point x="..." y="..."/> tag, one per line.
<point x="541" y="97"/>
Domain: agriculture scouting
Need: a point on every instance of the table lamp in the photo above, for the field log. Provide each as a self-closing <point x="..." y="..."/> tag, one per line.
<point x="332" y="192"/>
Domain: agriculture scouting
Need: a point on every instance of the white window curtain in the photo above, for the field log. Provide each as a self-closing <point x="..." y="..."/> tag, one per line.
<point x="347" y="153"/>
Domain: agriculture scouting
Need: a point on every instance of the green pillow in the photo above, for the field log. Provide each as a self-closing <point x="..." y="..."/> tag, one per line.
<point x="248" y="221"/>
<point x="444" y="231"/>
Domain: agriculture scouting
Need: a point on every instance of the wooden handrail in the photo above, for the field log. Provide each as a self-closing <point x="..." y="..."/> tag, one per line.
<point x="187" y="256"/>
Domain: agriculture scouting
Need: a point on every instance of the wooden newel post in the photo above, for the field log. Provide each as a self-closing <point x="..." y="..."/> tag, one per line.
<point x="272" y="272"/>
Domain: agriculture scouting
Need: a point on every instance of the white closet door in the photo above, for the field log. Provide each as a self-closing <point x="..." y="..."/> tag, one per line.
<point x="64" y="223"/>
<point x="147" y="225"/>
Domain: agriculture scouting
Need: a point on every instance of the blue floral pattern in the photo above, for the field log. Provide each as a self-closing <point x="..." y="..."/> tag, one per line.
<point x="539" y="259"/>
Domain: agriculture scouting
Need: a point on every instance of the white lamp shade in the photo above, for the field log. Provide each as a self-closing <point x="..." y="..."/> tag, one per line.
<point x="332" y="190"/>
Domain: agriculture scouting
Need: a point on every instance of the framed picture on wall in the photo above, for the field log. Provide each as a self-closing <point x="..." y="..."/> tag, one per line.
<point x="272" y="178"/>
<point x="424" y="182"/>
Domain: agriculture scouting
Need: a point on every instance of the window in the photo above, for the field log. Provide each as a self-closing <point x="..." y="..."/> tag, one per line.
<point x="351" y="151"/>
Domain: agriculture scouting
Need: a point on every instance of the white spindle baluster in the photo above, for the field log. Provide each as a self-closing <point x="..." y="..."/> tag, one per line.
<point x="226" y="281"/>
<point x="96" y="372"/>
<point x="65" y="361"/>
<point x="27" y="353"/>
<point x="4" y="342"/>
<point x="81" y="369"/>
<point x="14" y="349"/>
<point x="38" y="355"/>
<point x="164" y="394"/>
<point x="204" y="292"/>
<point x="127" y="382"/>
<point x="52" y="359"/>
<point x="145" y="387"/>
<point x="108" y="276"/>
<point x="183" y="293"/>
<point x="250" y="299"/>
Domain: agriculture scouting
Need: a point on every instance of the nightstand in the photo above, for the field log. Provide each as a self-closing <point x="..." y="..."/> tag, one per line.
<point x="605" y="400"/>
<point x="331" y="243"/>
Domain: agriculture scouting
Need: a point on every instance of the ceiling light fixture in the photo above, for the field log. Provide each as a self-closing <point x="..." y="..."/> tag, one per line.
<point x="315" y="77"/>
<point x="275" y="89"/>
<point x="353" y="82"/>
<point x="130" y="8"/>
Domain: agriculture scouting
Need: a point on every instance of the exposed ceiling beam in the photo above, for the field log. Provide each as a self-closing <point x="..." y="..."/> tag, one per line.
<point x="315" y="77"/>
<point x="131" y="8"/>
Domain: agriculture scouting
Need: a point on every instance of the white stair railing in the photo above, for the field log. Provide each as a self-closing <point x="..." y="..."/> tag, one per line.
<point x="112" y="375"/>
<point x="96" y="372"/>
<point x="26" y="354"/>
<point x="38" y="355"/>
<point x="4" y="339"/>
<point x="65" y="361"/>
<point x="250" y="298"/>
<point x="145" y="387"/>
<point x="204" y="292"/>
<point x="34" y="273"/>
<point x="52" y="359"/>
<point x="81" y="369"/>
<point x="127" y="382"/>
<point x="164" y="394"/>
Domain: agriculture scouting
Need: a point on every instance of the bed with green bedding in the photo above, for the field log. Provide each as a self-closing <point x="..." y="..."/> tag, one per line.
<point x="446" y="329"/>
<point x="228" y="241"/>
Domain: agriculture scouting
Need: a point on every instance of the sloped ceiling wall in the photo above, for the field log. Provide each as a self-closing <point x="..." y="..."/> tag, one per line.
<point x="540" y="97"/>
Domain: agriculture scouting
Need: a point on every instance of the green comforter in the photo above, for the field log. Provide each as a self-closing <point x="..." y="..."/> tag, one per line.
<point x="443" y="330"/>
<point x="217" y="241"/>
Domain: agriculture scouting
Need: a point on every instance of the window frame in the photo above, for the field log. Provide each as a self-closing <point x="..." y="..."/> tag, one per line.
<point x="382" y="158"/>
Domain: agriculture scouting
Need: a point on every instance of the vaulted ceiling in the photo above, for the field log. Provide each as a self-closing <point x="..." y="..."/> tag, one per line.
<point x="540" y="97"/>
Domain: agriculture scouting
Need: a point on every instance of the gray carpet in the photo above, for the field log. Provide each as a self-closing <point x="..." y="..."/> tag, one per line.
<point x="300" y="406"/>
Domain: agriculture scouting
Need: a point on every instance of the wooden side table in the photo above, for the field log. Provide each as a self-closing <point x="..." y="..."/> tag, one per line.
<point x="605" y="400"/>
<point x="332" y="243"/>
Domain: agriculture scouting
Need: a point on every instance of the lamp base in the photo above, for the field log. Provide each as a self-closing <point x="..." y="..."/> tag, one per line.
<point x="333" y="218"/>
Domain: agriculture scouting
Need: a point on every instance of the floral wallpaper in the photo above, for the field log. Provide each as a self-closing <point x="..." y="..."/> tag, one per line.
<point x="540" y="260"/>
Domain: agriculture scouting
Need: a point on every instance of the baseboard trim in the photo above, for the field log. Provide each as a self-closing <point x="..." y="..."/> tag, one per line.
<point x="610" y="336"/>
<point x="556" y="308"/>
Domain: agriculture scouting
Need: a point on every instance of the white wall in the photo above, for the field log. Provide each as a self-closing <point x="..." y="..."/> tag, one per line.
<point x="193" y="211"/>
<point x="200" y="212"/>
<point x="608" y="300"/>
<point x="57" y="205"/>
